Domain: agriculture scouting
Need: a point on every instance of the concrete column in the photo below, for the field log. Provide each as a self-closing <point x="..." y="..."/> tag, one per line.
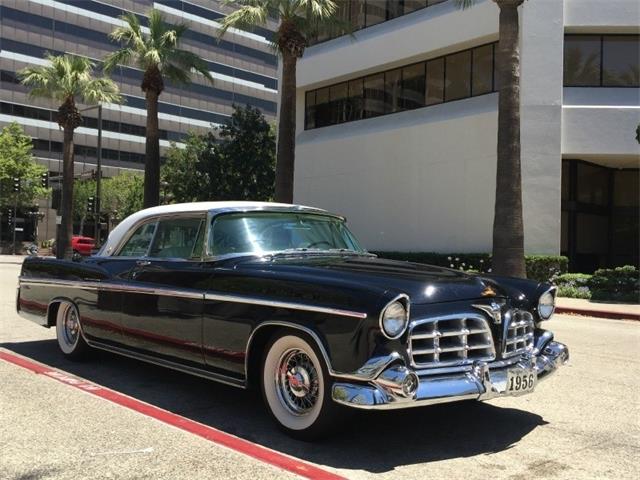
<point x="541" y="100"/>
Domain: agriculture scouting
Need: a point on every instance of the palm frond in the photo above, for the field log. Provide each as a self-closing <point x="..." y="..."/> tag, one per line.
<point x="189" y="61"/>
<point x="124" y="56"/>
<point x="100" y="90"/>
<point x="246" y="17"/>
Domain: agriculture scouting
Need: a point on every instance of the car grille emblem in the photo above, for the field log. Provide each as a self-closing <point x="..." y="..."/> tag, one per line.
<point x="494" y="310"/>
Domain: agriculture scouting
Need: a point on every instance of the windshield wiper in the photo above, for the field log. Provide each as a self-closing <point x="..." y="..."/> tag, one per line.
<point x="319" y="251"/>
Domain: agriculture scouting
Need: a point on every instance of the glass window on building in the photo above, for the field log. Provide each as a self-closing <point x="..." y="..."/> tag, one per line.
<point x="582" y="60"/>
<point x="482" y="76"/>
<point x="310" y="110"/>
<point x="593" y="185"/>
<point x="356" y="100"/>
<point x="357" y="14"/>
<point x="621" y="60"/>
<point x="413" y="5"/>
<point x="323" y="108"/>
<point x="376" y="12"/>
<point x="458" y="76"/>
<point x="413" y="86"/>
<point x="393" y="91"/>
<point x="435" y="82"/>
<point x="374" y="95"/>
<point x="338" y="103"/>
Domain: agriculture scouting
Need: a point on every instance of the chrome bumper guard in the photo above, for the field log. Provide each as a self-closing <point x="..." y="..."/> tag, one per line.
<point x="394" y="386"/>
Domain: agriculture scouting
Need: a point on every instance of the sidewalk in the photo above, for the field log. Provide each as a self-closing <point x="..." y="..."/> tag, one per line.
<point x="15" y="259"/>
<point x="598" y="309"/>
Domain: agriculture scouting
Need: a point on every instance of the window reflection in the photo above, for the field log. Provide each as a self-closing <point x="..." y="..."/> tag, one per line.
<point x="458" y="76"/>
<point x="374" y="95"/>
<point x="435" y="82"/>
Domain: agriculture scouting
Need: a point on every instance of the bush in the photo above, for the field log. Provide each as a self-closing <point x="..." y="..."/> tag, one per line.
<point x="573" y="285"/>
<point x="618" y="284"/>
<point x="539" y="267"/>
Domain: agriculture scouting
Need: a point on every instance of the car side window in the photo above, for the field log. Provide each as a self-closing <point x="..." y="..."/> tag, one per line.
<point x="178" y="238"/>
<point x="138" y="243"/>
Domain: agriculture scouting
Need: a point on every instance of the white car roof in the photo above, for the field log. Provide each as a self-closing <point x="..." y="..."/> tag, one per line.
<point x="123" y="227"/>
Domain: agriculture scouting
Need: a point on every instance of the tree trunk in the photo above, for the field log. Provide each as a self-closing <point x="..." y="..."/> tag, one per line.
<point x="152" y="152"/>
<point x="508" y="230"/>
<point x="64" y="248"/>
<point x="285" y="160"/>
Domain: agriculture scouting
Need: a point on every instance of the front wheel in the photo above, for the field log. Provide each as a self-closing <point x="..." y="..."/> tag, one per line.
<point x="69" y="334"/>
<point x="296" y="387"/>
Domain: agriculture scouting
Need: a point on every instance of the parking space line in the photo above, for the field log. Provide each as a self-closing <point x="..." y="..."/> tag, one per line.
<point x="214" y="435"/>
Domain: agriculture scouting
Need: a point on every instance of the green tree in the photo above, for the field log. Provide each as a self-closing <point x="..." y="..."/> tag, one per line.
<point x="68" y="79"/>
<point x="298" y="22"/>
<point x="16" y="161"/>
<point x="234" y="162"/>
<point x="508" y="228"/>
<point x="159" y="55"/>
<point x="122" y="195"/>
<point x="82" y="190"/>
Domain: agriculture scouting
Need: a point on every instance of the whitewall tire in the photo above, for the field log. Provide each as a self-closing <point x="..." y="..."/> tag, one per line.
<point x="69" y="332"/>
<point x="296" y="386"/>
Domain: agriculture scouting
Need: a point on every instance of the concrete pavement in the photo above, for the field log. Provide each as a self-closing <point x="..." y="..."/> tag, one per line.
<point x="583" y="423"/>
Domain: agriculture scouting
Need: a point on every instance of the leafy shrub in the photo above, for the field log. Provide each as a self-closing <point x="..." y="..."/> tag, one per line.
<point x="573" y="285"/>
<point x="618" y="284"/>
<point x="539" y="267"/>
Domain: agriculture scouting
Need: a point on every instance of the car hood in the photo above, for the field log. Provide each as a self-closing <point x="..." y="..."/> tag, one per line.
<point x="423" y="283"/>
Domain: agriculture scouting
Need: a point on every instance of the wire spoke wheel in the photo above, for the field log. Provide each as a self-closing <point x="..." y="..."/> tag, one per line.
<point x="297" y="382"/>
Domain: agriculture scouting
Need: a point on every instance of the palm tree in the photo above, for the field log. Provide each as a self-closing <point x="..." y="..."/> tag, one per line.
<point x="68" y="79"/>
<point x="299" y="21"/>
<point x="157" y="53"/>
<point x="508" y="229"/>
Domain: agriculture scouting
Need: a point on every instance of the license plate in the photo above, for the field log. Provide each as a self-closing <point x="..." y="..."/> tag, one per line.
<point x="521" y="381"/>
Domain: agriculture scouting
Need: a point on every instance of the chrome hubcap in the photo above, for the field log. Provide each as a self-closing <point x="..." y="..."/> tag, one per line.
<point x="297" y="382"/>
<point x="71" y="326"/>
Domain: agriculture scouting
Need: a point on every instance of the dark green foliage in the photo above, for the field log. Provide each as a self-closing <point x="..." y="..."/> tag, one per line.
<point x="234" y="162"/>
<point x="573" y="285"/>
<point x="539" y="267"/>
<point x="618" y="284"/>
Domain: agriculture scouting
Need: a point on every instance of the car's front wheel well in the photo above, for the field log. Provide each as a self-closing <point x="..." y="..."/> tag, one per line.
<point x="259" y="341"/>
<point x="52" y="313"/>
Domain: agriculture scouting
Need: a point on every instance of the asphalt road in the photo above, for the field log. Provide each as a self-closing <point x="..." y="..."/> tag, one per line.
<point x="582" y="423"/>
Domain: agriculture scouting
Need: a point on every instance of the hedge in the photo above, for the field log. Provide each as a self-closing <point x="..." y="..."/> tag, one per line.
<point x="619" y="284"/>
<point x="539" y="267"/>
<point x="573" y="285"/>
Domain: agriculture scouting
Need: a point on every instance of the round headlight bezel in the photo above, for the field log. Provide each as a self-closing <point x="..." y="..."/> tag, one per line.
<point x="403" y="301"/>
<point x="551" y="292"/>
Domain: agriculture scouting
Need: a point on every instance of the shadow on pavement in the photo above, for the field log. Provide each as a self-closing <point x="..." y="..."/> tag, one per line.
<point x="372" y="441"/>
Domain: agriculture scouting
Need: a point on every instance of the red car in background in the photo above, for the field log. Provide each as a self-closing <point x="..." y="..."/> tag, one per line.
<point x="82" y="245"/>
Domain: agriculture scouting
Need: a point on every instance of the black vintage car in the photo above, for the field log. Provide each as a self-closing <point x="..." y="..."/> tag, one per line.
<point x="284" y="297"/>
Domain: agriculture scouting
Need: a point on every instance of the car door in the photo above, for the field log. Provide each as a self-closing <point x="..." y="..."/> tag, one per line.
<point x="162" y="307"/>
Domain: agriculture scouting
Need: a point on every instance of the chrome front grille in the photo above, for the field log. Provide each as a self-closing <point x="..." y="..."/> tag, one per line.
<point x="450" y="340"/>
<point x="519" y="337"/>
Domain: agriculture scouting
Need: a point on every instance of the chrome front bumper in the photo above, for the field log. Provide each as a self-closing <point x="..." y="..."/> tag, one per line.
<point x="388" y="384"/>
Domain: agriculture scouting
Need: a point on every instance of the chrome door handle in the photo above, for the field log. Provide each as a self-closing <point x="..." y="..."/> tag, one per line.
<point x="143" y="263"/>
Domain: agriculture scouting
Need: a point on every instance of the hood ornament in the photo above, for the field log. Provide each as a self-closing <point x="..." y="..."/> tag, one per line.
<point x="488" y="292"/>
<point x="494" y="310"/>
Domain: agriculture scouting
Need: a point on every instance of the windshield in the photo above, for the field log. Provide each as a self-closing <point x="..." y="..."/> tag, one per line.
<point x="269" y="232"/>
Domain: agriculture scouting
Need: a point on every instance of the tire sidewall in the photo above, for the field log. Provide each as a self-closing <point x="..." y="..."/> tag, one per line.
<point x="306" y="426"/>
<point x="79" y="347"/>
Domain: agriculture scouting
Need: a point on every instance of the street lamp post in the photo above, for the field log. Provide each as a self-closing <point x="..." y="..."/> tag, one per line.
<point x="96" y="213"/>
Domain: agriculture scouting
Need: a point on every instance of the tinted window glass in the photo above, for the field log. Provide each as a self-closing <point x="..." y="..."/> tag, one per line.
<point x="310" y="112"/>
<point x="376" y="12"/>
<point x="458" y="75"/>
<point x="582" y="60"/>
<point x="393" y="91"/>
<point x="621" y="60"/>
<point x="177" y="238"/>
<point x="374" y="95"/>
<point x="435" y="82"/>
<point x="412" y="5"/>
<point x="323" y="112"/>
<point x="482" y="70"/>
<point x="338" y="97"/>
<point x="138" y="243"/>
<point x="413" y="86"/>
<point x="356" y="100"/>
<point x="357" y="14"/>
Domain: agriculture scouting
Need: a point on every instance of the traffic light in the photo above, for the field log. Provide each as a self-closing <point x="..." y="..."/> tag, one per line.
<point x="16" y="185"/>
<point x="10" y="216"/>
<point x="44" y="180"/>
<point x="91" y="204"/>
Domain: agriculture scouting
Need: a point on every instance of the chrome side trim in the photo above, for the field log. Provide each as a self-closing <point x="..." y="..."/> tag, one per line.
<point x="168" y="364"/>
<point x="277" y="304"/>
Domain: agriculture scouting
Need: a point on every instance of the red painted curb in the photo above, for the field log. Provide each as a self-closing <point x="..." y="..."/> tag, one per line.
<point x="598" y="313"/>
<point x="219" y="437"/>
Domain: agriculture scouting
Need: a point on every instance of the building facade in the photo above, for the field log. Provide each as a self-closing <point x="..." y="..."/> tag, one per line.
<point x="397" y="126"/>
<point x="243" y="65"/>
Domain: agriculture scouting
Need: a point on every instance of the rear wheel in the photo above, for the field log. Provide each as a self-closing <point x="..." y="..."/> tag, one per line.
<point x="69" y="333"/>
<point x="297" y="388"/>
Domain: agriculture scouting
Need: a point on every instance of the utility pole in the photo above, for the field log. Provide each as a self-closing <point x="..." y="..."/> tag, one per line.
<point x="16" y="192"/>
<point x="96" y="227"/>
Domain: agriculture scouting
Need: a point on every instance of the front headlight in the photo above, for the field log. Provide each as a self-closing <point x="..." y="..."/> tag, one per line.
<point x="546" y="304"/>
<point x="395" y="317"/>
